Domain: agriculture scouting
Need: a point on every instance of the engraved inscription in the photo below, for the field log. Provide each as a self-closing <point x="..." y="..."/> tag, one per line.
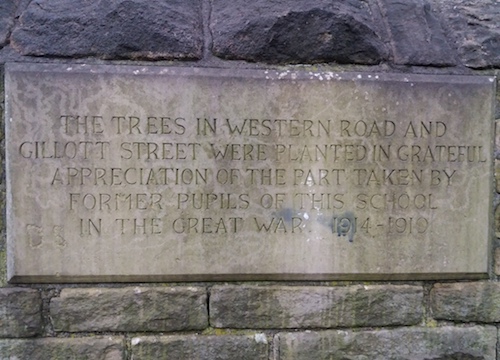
<point x="253" y="174"/>
<point x="379" y="172"/>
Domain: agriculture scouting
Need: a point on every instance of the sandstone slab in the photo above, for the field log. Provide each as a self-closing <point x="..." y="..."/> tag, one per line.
<point x="496" y="259"/>
<point x="467" y="302"/>
<point x="222" y="347"/>
<point x="91" y="348"/>
<point x="277" y="307"/>
<point x="160" y="173"/>
<point x="20" y="312"/>
<point x="497" y="221"/>
<point x="474" y="343"/>
<point x="130" y="309"/>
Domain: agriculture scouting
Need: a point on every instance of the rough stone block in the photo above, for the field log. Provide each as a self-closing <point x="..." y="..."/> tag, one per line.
<point x="497" y="261"/>
<point x="221" y="347"/>
<point x="473" y="27"/>
<point x="497" y="131"/>
<point x="20" y="312"/>
<point x="314" y="307"/>
<point x="137" y="29"/>
<point x="497" y="102"/>
<point x="3" y="266"/>
<point x="89" y="348"/>
<point x="296" y="31"/>
<point x="497" y="221"/>
<point x="472" y="343"/>
<point x="130" y="309"/>
<point x="416" y="34"/>
<point x="497" y="175"/>
<point x="477" y="301"/>
<point x="7" y="13"/>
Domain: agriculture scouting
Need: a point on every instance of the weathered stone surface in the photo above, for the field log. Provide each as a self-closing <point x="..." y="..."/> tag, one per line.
<point x="445" y="343"/>
<point x="3" y="197"/>
<point x="476" y="301"/>
<point x="497" y="221"/>
<point x="496" y="259"/>
<point x="314" y="307"/>
<point x="167" y="174"/>
<point x="296" y="31"/>
<point x="89" y="348"/>
<point x="130" y="309"/>
<point x="497" y="136"/>
<point x="137" y="29"/>
<point x="20" y="312"/>
<point x="221" y="347"/>
<point x="473" y="27"/>
<point x="7" y="13"/>
<point x="497" y="175"/>
<point x="497" y="102"/>
<point x="416" y="34"/>
<point x="497" y="139"/>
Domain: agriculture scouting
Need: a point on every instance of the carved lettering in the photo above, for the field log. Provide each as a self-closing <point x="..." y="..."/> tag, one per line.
<point x="287" y="173"/>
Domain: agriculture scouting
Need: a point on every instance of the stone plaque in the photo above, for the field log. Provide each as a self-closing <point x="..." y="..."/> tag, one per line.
<point x="120" y="173"/>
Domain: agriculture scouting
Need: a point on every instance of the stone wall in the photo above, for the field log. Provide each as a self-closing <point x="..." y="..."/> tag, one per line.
<point x="255" y="320"/>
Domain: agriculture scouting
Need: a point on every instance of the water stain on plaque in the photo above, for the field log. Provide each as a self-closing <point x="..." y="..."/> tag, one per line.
<point x="343" y="224"/>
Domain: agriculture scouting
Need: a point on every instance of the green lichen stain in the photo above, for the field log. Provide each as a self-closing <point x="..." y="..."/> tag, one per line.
<point x="222" y="332"/>
<point x="431" y="323"/>
<point x="3" y="268"/>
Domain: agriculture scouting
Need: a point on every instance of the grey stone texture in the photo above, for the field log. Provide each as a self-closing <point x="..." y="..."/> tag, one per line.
<point x="20" y="312"/>
<point x="285" y="307"/>
<point x="497" y="124"/>
<point x="221" y="347"/>
<point x="497" y="221"/>
<point x="7" y="14"/>
<point x="444" y="343"/>
<point x="472" y="25"/>
<point x="496" y="261"/>
<point x="130" y="309"/>
<point x="121" y="29"/>
<point x="89" y="348"/>
<point x="497" y="175"/>
<point x="467" y="302"/>
<point x="416" y="34"/>
<point x="296" y="32"/>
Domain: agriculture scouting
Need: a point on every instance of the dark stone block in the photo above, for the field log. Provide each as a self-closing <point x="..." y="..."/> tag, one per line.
<point x="136" y="29"/>
<point x="473" y="26"/>
<point x="416" y="34"/>
<point x="296" y="32"/>
<point x="7" y="14"/>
